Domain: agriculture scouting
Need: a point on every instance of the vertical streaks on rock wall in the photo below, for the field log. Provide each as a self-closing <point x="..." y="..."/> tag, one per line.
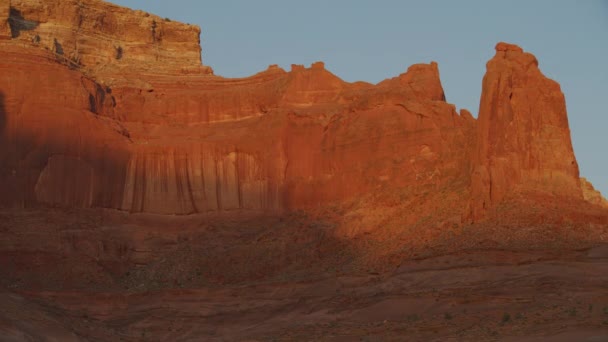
<point x="54" y="149"/>
<point x="523" y="135"/>
<point x="134" y="123"/>
<point x="198" y="178"/>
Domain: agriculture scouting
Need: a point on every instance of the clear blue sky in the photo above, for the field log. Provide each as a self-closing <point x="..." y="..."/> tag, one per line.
<point x="374" y="40"/>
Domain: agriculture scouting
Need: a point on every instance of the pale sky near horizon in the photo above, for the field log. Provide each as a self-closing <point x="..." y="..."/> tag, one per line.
<point x="374" y="40"/>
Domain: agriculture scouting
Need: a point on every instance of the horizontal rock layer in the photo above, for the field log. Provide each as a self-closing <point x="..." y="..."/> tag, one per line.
<point x="276" y="140"/>
<point x="162" y="142"/>
<point x="98" y="36"/>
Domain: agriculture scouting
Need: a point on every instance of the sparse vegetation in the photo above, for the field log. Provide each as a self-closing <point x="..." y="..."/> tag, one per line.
<point x="75" y="60"/>
<point x="413" y="318"/>
<point x="58" y="48"/>
<point x="506" y="317"/>
<point x="154" y="26"/>
<point x="447" y="316"/>
<point x="167" y="19"/>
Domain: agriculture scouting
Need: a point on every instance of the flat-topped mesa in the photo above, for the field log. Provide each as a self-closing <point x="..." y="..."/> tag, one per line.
<point x="523" y="139"/>
<point x="98" y="35"/>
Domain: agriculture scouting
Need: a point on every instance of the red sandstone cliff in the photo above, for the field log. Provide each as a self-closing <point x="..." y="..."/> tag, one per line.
<point x="276" y="140"/>
<point x="523" y="138"/>
<point x="5" y="29"/>
<point x="591" y="195"/>
<point x="99" y="37"/>
<point x="101" y="133"/>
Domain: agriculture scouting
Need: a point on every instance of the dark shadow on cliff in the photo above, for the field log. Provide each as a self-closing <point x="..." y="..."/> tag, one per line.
<point x="46" y="138"/>
<point x="115" y="250"/>
<point x="111" y="250"/>
<point x="2" y="116"/>
<point x="18" y="23"/>
<point x="4" y="151"/>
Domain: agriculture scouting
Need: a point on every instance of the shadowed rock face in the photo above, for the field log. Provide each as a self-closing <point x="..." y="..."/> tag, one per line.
<point x="174" y="145"/>
<point x="98" y="132"/>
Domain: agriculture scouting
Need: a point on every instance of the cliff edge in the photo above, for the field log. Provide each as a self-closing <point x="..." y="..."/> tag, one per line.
<point x="96" y="35"/>
<point x="146" y="128"/>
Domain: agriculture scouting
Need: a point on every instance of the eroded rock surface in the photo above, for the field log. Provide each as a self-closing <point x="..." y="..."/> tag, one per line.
<point x="179" y="145"/>
<point x="144" y="198"/>
<point x="523" y="138"/>
<point x="98" y="35"/>
<point x="5" y="29"/>
<point x="591" y="195"/>
<point x="116" y="137"/>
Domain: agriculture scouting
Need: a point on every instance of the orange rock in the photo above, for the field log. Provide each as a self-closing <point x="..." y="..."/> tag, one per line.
<point x="55" y="149"/>
<point x="523" y="138"/>
<point x="591" y="195"/>
<point x="161" y="142"/>
<point x="5" y="29"/>
<point x="383" y="173"/>
<point x="182" y="145"/>
<point x="99" y="36"/>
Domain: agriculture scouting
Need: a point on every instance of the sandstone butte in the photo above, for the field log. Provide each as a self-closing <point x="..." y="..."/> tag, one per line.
<point x="142" y="196"/>
<point x="103" y="106"/>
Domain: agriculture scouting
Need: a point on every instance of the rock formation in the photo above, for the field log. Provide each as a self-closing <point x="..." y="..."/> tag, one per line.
<point x="591" y="195"/>
<point x="5" y="29"/>
<point x="99" y="132"/>
<point x="317" y="199"/>
<point x="523" y="139"/>
<point x="100" y="36"/>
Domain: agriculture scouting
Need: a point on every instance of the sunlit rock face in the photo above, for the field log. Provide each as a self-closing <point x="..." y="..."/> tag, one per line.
<point x="103" y="106"/>
<point x="523" y="138"/>
<point x="99" y="36"/>
<point x="592" y="195"/>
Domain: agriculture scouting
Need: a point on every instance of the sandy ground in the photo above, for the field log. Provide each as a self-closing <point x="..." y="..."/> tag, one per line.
<point x="99" y="276"/>
<point x="529" y="297"/>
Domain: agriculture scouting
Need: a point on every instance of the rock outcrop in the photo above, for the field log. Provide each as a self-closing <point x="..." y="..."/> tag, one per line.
<point x="99" y="132"/>
<point x="98" y="36"/>
<point x="5" y="28"/>
<point x="273" y="141"/>
<point x="591" y="195"/>
<point x="523" y="137"/>
<point x="55" y="149"/>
